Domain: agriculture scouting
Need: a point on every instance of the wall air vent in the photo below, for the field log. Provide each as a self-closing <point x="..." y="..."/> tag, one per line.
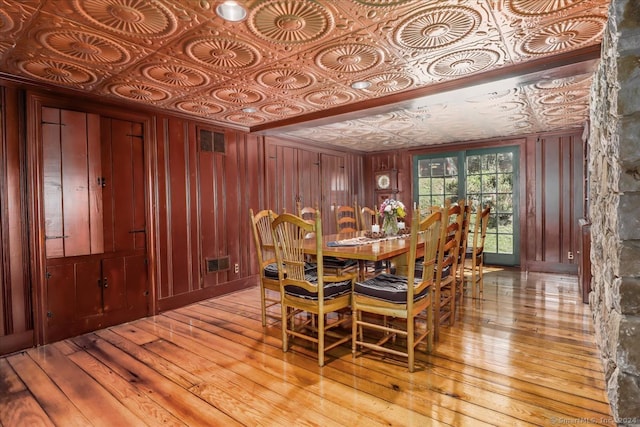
<point x="217" y="264"/>
<point x="212" y="142"/>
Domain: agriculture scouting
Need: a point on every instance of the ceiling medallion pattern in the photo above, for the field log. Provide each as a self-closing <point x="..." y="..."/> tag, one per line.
<point x="349" y="58"/>
<point x="563" y="97"/>
<point x="464" y="62"/>
<point x="293" y="61"/>
<point x="235" y="95"/>
<point x="222" y="53"/>
<point x="57" y="72"/>
<point x="529" y="8"/>
<point x="389" y="82"/>
<point x="84" y="47"/>
<point x="328" y="98"/>
<point x="199" y="107"/>
<point x="245" y="119"/>
<point x="282" y="110"/>
<point x="564" y="82"/>
<point x="136" y="91"/>
<point x="285" y="79"/>
<point x="175" y="75"/>
<point x="290" y="21"/>
<point x="564" y="35"/>
<point x="437" y="28"/>
<point x="136" y="18"/>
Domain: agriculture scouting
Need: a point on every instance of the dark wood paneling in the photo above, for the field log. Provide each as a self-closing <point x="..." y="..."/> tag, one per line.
<point x="558" y="204"/>
<point x="16" y="316"/>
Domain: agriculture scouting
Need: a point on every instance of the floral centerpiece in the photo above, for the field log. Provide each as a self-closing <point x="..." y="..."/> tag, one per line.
<point x="390" y="211"/>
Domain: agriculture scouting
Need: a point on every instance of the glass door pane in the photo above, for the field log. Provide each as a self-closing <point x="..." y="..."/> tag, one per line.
<point x="491" y="177"/>
<point x="486" y="177"/>
<point x="437" y="181"/>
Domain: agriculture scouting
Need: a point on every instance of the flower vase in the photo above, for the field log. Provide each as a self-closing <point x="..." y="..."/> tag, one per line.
<point x="390" y="225"/>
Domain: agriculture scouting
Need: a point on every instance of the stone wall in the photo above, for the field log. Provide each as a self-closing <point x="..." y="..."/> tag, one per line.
<point x="614" y="168"/>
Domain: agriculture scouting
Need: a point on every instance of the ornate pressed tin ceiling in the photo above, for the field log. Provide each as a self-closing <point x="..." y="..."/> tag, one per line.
<point x="440" y="71"/>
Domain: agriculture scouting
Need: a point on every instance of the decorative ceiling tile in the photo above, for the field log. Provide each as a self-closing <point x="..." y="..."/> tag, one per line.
<point x="133" y="18"/>
<point x="139" y="92"/>
<point x="200" y="107"/>
<point x="175" y="75"/>
<point x="57" y="72"/>
<point x="437" y="28"/>
<point x="537" y="8"/>
<point x="222" y="53"/>
<point x="437" y="69"/>
<point x="290" y="21"/>
<point x="562" y="36"/>
<point x="83" y="46"/>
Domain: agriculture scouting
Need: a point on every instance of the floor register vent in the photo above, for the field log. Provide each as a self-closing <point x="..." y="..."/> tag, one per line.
<point x="217" y="264"/>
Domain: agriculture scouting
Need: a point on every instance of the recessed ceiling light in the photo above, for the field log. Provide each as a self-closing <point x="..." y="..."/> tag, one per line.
<point x="249" y="110"/>
<point x="231" y="10"/>
<point x="360" y="85"/>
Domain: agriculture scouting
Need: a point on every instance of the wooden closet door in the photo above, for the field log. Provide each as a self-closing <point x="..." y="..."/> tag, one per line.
<point x="95" y="222"/>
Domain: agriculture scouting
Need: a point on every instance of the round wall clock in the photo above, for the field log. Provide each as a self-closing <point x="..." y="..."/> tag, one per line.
<point x="383" y="181"/>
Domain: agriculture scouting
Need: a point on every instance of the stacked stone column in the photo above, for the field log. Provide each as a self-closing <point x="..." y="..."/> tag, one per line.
<point x="614" y="207"/>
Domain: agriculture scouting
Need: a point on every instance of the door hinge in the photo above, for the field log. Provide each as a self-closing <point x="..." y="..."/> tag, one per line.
<point x="47" y="275"/>
<point x="49" y="314"/>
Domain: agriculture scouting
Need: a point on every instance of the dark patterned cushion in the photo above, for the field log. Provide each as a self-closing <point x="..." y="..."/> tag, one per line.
<point x="387" y="287"/>
<point x="418" y="271"/>
<point x="333" y="262"/>
<point x="331" y="289"/>
<point x="271" y="270"/>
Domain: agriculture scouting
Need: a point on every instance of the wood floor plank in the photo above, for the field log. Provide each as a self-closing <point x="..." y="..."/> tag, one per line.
<point x="140" y="404"/>
<point x="17" y="406"/>
<point x="168" y="370"/>
<point x="87" y="395"/>
<point x="60" y="408"/>
<point x="184" y="405"/>
<point x="388" y="392"/>
<point x="369" y="406"/>
<point x="522" y="355"/>
<point x="484" y="406"/>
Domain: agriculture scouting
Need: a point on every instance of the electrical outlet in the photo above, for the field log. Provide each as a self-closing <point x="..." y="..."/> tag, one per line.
<point x="236" y="268"/>
<point x="570" y="255"/>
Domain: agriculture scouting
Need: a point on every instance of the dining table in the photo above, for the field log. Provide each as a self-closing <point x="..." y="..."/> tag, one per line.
<point x="359" y="247"/>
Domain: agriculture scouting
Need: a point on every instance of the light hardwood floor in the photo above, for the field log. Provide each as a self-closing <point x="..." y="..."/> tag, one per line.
<point x="524" y="355"/>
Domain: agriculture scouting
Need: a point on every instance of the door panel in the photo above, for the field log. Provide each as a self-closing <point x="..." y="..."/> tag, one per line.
<point x="75" y="191"/>
<point x="88" y="300"/>
<point x="113" y="284"/>
<point x="52" y="179"/>
<point x="95" y="197"/>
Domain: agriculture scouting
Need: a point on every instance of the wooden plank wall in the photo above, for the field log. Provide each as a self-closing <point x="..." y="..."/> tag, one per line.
<point x="199" y="202"/>
<point x="16" y="321"/>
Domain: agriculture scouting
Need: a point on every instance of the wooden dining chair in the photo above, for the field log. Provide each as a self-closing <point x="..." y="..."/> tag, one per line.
<point x="266" y="256"/>
<point x="307" y="213"/>
<point x="388" y="306"/>
<point x="332" y="265"/>
<point x="311" y="292"/>
<point x="346" y="219"/>
<point x="446" y="268"/>
<point x="476" y="252"/>
<point x="368" y="217"/>
<point x="464" y="238"/>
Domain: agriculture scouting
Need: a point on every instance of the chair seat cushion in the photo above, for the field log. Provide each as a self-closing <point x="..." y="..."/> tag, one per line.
<point x="271" y="270"/>
<point x="331" y="289"/>
<point x="333" y="262"/>
<point x="387" y="287"/>
<point x="418" y="270"/>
